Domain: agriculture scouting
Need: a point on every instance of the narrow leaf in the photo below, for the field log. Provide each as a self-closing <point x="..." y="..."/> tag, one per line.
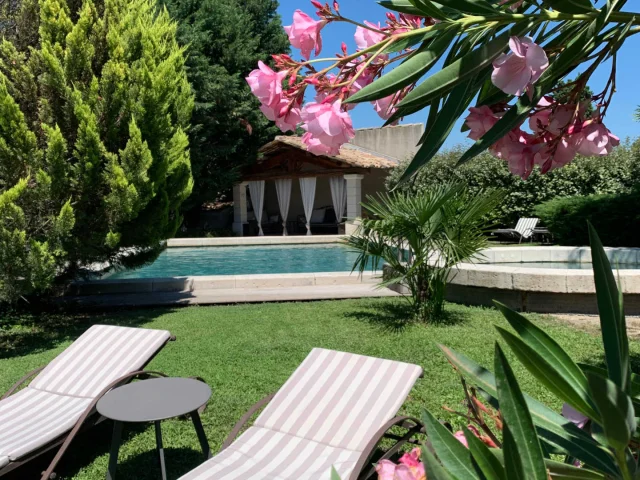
<point x="402" y="6"/>
<point x="515" y="412"/>
<point x="408" y="72"/>
<point x="560" y="470"/>
<point x="334" y="474"/>
<point x="556" y="430"/>
<point x="549" y="375"/>
<point x="612" y="321"/>
<point x="442" y="82"/>
<point x="455" y="105"/>
<point x="428" y="9"/>
<point x="486" y="461"/>
<point x="432" y="467"/>
<point x="616" y="409"/>
<point x="455" y="457"/>
<point x="571" y="6"/>
<point x="480" y="7"/>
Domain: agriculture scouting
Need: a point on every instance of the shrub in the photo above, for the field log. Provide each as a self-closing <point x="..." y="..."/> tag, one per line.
<point x="94" y="156"/>
<point x="616" y="217"/>
<point x="440" y="227"/>
<point x="616" y="173"/>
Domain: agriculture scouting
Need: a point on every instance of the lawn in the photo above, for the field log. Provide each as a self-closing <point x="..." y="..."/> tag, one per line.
<point x="247" y="351"/>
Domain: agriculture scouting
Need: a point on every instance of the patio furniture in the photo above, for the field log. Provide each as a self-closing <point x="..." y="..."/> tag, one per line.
<point x="323" y="220"/>
<point x="332" y="412"/>
<point x="524" y="230"/>
<point x="60" y="402"/>
<point x="153" y="401"/>
<point x="542" y="235"/>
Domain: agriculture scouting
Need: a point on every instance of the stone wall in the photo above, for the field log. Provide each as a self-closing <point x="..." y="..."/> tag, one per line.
<point x="398" y="142"/>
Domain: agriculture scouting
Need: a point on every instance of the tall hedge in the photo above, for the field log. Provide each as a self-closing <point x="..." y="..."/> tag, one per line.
<point x="94" y="159"/>
<point x="615" y="216"/>
<point x="616" y="173"/>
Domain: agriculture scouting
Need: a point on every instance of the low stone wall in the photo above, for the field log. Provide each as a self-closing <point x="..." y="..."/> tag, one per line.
<point x="544" y="290"/>
<point x="246" y="241"/>
<point x="221" y="282"/>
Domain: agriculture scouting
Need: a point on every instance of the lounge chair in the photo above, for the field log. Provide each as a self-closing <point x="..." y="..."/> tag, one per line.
<point x="61" y="400"/>
<point x="332" y="412"/>
<point x="524" y="230"/>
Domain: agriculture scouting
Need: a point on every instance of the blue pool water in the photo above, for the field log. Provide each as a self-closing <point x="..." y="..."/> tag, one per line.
<point x="569" y="265"/>
<point x="206" y="261"/>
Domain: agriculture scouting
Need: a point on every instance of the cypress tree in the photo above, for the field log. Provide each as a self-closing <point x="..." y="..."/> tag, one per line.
<point x="94" y="158"/>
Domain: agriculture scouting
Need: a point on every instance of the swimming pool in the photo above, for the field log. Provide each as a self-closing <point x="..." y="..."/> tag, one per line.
<point x="211" y="261"/>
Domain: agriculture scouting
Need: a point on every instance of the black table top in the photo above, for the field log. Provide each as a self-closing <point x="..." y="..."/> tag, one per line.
<point x="154" y="400"/>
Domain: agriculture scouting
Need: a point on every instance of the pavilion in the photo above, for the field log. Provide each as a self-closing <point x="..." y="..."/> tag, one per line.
<point x="291" y="190"/>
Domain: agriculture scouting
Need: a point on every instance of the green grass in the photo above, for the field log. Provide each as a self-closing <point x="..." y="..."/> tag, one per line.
<point x="247" y="351"/>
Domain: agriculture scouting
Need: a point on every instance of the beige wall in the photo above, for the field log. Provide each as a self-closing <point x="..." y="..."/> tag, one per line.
<point x="397" y="142"/>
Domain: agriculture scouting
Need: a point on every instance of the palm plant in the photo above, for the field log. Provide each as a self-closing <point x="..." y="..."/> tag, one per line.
<point x="421" y="238"/>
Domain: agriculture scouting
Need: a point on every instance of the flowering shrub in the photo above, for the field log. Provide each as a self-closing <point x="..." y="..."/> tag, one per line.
<point x="507" y="57"/>
<point x="596" y="437"/>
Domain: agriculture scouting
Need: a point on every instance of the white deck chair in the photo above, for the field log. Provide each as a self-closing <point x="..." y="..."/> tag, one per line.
<point x="524" y="230"/>
<point x="61" y="400"/>
<point x="332" y="412"/>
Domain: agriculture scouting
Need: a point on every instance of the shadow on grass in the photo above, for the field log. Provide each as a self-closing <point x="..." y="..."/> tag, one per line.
<point x="26" y="332"/>
<point x="599" y="361"/>
<point x="397" y="316"/>
<point x="97" y="442"/>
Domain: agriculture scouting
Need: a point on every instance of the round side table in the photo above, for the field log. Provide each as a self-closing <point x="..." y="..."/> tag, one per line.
<point x="153" y="401"/>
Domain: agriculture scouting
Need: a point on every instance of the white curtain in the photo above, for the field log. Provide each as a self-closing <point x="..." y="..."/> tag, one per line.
<point x="283" y="189"/>
<point x="339" y="196"/>
<point x="308" y="189"/>
<point x="256" y="190"/>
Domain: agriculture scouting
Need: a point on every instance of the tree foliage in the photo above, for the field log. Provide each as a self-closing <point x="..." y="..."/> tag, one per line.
<point x="616" y="173"/>
<point x="94" y="156"/>
<point x="225" y="40"/>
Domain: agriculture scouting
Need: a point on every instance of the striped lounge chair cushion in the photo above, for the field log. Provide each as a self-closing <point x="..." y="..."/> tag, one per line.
<point x="99" y="356"/>
<point x="525" y="226"/>
<point x="58" y="396"/>
<point x="324" y="415"/>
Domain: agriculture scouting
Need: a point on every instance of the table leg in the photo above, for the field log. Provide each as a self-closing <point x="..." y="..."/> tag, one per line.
<point x="204" y="444"/>
<point x="163" y="468"/>
<point x="115" y="447"/>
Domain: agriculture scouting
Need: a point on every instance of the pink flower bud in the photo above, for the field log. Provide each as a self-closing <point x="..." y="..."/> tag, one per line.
<point x="336" y="7"/>
<point x="317" y="4"/>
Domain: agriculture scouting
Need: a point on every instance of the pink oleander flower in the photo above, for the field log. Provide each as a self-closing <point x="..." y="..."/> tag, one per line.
<point x="515" y="72"/>
<point x="286" y="123"/>
<point x="520" y="150"/>
<point x="480" y="120"/>
<point x="327" y="126"/>
<point x="459" y="435"/>
<point x="366" y="38"/>
<point x="384" y="107"/>
<point x="304" y="33"/>
<point x="574" y="416"/>
<point x="596" y="139"/>
<point x="266" y="84"/>
<point x="409" y="468"/>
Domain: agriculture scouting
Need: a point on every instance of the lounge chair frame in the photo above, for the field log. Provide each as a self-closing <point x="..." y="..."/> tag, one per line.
<point x="88" y="419"/>
<point x="363" y="469"/>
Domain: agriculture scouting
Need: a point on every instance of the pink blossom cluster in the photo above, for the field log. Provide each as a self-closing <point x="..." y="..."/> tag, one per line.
<point x="409" y="467"/>
<point x="559" y="132"/>
<point x="326" y="120"/>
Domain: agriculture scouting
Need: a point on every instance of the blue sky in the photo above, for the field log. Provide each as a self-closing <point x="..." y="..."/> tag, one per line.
<point x="619" y="117"/>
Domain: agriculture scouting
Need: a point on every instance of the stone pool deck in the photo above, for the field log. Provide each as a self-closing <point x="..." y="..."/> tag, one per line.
<point x="226" y="289"/>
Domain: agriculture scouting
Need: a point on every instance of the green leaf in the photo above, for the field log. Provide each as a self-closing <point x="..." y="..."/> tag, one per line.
<point x="612" y="321"/>
<point x="402" y="6"/>
<point x="469" y="65"/>
<point x="419" y="63"/>
<point x="518" y="421"/>
<point x="334" y="474"/>
<point x="634" y="388"/>
<point x="542" y="346"/>
<point x="455" y="457"/>
<point x="486" y="461"/>
<point x="408" y="42"/>
<point x="571" y="6"/>
<point x="432" y="467"/>
<point x="480" y="7"/>
<point x="455" y="105"/>
<point x="560" y="470"/>
<point x="428" y="9"/>
<point x="556" y="430"/>
<point x="616" y="409"/>
<point x="534" y="361"/>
